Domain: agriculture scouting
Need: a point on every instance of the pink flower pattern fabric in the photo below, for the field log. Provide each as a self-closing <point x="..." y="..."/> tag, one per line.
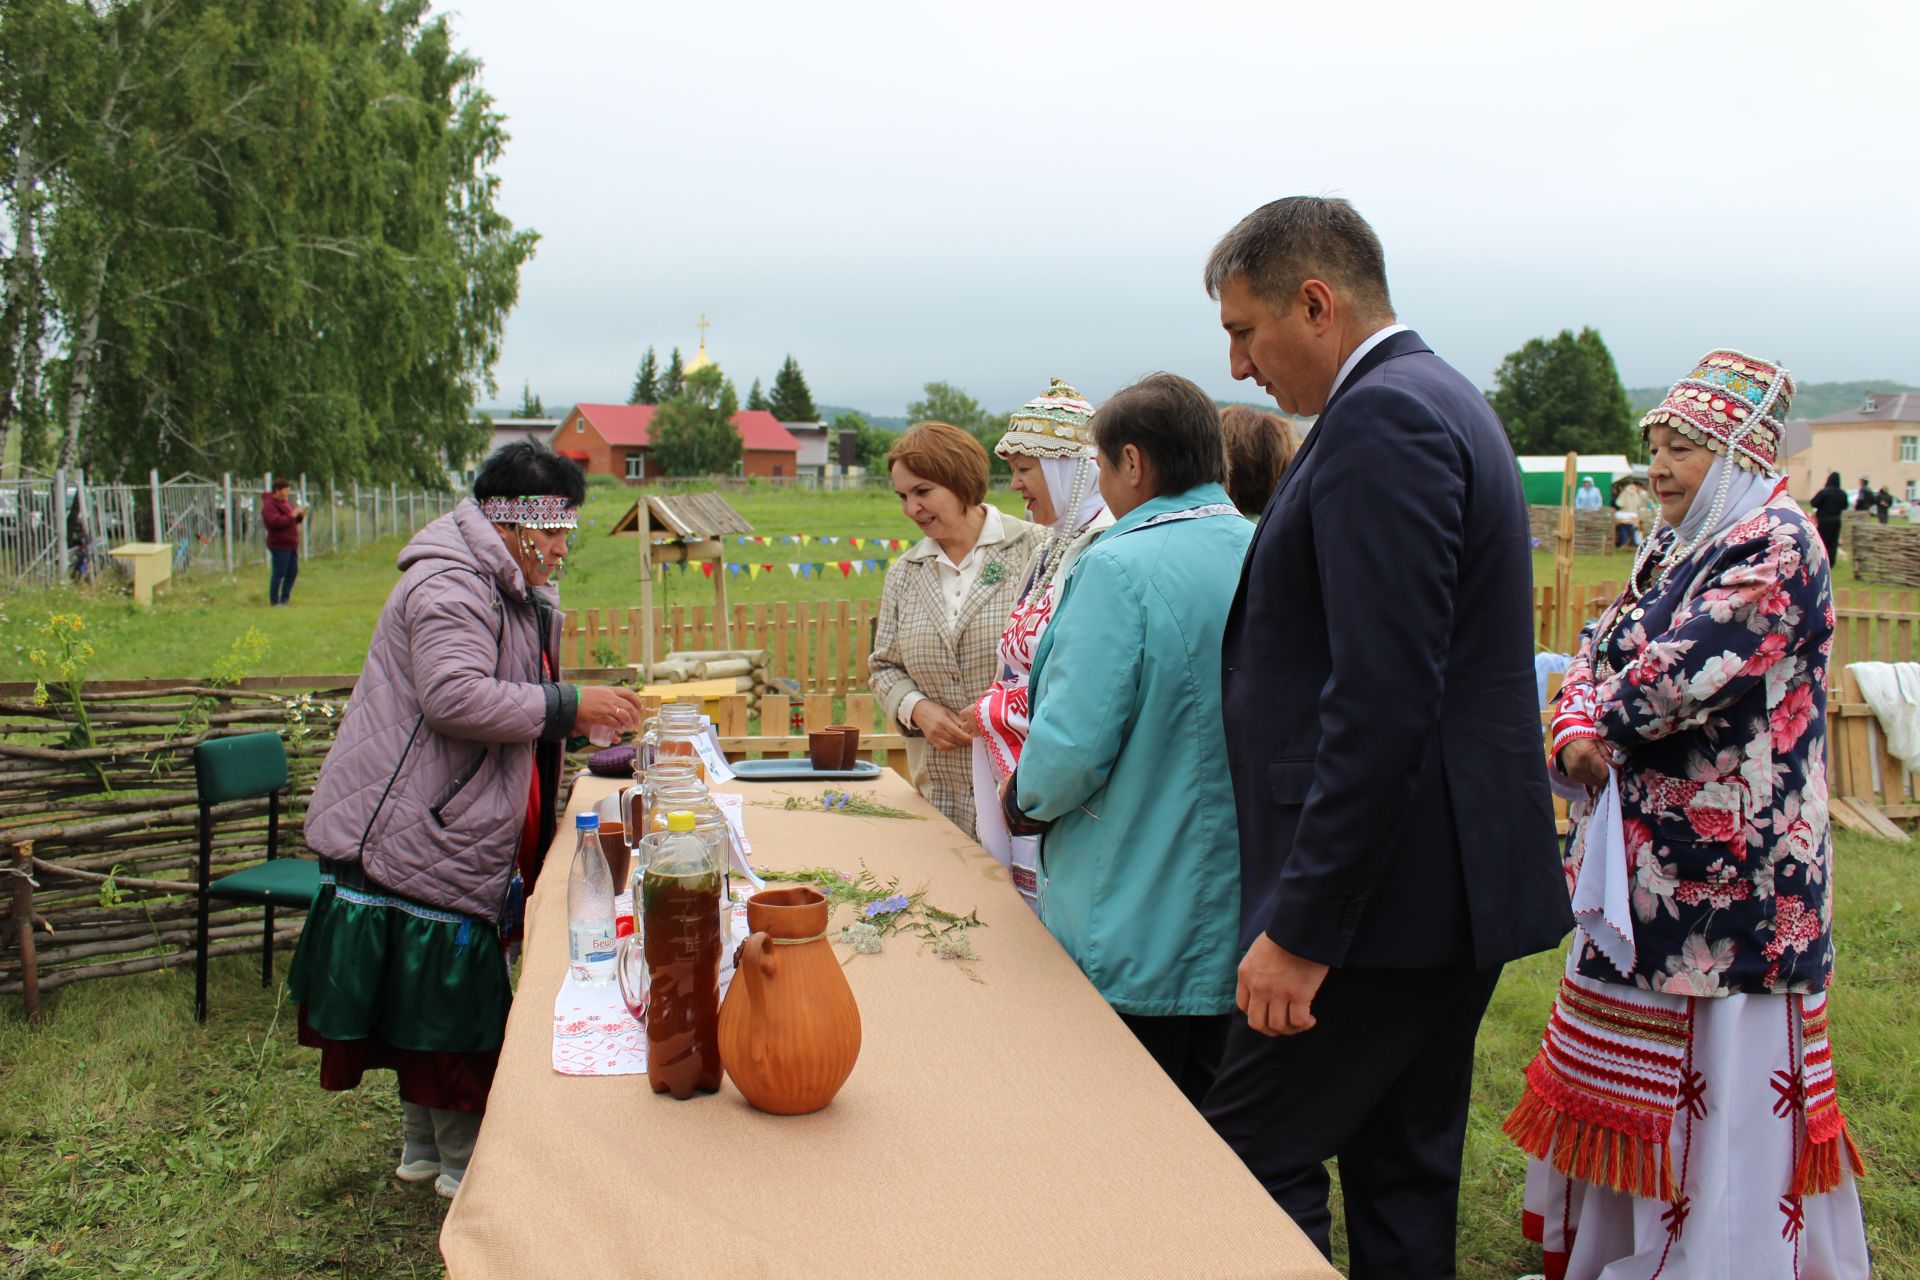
<point x="1710" y="693"/>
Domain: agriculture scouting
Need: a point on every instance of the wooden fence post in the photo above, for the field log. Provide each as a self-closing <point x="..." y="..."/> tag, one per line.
<point x="226" y="516"/>
<point x="21" y="873"/>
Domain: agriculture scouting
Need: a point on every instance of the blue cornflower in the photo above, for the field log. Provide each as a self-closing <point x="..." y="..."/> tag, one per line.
<point x="886" y="906"/>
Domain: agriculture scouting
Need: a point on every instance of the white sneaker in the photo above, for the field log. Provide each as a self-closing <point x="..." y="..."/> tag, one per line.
<point x="417" y="1170"/>
<point x="447" y="1184"/>
<point x="419" y="1162"/>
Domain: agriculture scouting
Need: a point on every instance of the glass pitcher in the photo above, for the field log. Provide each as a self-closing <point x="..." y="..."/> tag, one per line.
<point x="681" y="792"/>
<point x="673" y="734"/>
<point x="637" y="807"/>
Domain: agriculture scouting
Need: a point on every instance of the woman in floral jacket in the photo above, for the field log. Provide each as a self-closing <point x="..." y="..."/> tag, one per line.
<point x="1682" y="1112"/>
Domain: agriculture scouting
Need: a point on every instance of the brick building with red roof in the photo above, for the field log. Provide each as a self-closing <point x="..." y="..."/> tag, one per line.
<point x="614" y="440"/>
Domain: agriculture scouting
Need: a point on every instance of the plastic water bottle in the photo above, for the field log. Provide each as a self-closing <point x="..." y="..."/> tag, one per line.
<point x="590" y="926"/>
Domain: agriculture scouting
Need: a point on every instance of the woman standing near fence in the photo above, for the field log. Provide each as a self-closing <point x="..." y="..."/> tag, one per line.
<point x="943" y="607"/>
<point x="1682" y="1113"/>
<point x="445" y="779"/>
<point x="283" y="521"/>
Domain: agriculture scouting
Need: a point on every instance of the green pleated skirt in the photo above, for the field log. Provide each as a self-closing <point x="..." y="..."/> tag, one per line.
<point x="375" y="966"/>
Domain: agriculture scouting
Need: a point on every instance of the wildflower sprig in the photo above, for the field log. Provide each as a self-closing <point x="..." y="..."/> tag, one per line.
<point x="831" y="801"/>
<point x="62" y="660"/>
<point x="883" y="910"/>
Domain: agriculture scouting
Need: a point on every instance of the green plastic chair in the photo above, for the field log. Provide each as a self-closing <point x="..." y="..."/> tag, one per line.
<point x="240" y="768"/>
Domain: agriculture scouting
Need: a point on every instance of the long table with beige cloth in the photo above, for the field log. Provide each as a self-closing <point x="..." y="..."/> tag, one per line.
<point x="1009" y="1126"/>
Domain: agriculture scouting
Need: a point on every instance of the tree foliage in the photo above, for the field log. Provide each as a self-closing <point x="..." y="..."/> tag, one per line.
<point x="944" y="402"/>
<point x="790" y="400"/>
<point x="646" y="381"/>
<point x="531" y="405"/>
<point x="694" y="433"/>
<point x="756" y="398"/>
<point x="248" y="235"/>
<point x="1563" y="395"/>
<point x="873" y="441"/>
<point x="672" y="381"/>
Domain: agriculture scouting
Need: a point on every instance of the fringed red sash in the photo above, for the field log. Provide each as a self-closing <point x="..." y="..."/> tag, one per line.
<point x="1818" y="1168"/>
<point x="1613" y="1070"/>
<point x="1602" y="1091"/>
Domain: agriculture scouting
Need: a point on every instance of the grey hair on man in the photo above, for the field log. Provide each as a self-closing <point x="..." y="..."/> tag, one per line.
<point x="1285" y="243"/>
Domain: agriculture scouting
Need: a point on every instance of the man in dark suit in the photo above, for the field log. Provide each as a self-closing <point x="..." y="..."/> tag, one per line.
<point x="1396" y="833"/>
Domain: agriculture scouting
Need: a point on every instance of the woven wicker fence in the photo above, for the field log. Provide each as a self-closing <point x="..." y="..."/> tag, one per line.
<point x="99" y="840"/>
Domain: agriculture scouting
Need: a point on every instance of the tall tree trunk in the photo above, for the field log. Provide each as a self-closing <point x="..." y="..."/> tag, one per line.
<point x="20" y="321"/>
<point x="85" y="352"/>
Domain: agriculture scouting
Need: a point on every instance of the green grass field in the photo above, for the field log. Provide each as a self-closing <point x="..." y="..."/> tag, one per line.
<point x="337" y="597"/>
<point x="133" y="1141"/>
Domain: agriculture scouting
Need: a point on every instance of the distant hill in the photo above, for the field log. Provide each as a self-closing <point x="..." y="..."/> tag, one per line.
<point x="1814" y="399"/>
<point x="828" y="412"/>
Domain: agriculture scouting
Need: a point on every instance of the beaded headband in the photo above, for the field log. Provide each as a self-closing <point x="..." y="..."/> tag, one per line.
<point x="1054" y="424"/>
<point x="545" y="511"/>
<point x="1732" y="404"/>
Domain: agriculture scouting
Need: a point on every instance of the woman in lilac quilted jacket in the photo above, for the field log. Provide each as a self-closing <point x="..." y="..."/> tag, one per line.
<point x="436" y="801"/>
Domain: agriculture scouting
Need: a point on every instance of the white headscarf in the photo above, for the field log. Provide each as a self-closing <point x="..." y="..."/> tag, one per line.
<point x="1061" y="473"/>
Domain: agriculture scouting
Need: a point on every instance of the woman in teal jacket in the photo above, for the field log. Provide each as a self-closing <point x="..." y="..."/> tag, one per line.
<point x="1125" y="767"/>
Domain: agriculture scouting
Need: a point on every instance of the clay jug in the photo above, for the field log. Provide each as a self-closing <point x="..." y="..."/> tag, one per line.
<point x="789" y="1030"/>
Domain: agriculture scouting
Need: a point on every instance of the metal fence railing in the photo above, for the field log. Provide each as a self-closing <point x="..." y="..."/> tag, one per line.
<point x="63" y="526"/>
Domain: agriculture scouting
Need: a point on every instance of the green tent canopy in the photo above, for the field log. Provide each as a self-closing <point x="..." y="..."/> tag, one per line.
<point x="1541" y="475"/>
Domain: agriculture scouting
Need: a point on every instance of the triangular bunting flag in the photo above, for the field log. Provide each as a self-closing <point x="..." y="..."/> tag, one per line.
<point x="794" y="569"/>
<point x="829" y="541"/>
<point x="766" y="568"/>
<point x="846" y="569"/>
<point x="805" y="538"/>
<point x="706" y="567"/>
<point x="733" y="570"/>
<point x="753" y="571"/>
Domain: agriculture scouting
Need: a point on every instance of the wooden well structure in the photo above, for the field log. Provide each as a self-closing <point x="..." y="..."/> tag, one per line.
<point x="685" y="528"/>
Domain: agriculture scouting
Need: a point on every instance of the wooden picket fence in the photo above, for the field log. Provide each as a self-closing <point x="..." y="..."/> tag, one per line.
<point x="820" y="645"/>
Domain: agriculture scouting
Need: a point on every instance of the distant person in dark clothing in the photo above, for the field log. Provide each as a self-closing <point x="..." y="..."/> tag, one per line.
<point x="1863" y="500"/>
<point x="1882" y="505"/>
<point x="1829" y="510"/>
<point x="282" y="519"/>
<point x="1259" y="447"/>
<point x="79" y="541"/>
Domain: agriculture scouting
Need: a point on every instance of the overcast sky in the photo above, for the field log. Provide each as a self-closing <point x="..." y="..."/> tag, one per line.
<point x="1000" y="193"/>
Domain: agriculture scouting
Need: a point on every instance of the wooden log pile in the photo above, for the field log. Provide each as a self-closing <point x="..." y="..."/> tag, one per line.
<point x="99" y="841"/>
<point x="751" y="671"/>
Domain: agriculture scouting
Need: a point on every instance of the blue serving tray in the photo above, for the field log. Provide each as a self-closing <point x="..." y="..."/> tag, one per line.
<point x="802" y="771"/>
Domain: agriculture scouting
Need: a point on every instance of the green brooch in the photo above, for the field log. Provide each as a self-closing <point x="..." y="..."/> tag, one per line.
<point x="992" y="574"/>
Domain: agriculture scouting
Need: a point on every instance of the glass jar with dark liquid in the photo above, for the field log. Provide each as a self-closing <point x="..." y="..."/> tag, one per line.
<point x="680" y="931"/>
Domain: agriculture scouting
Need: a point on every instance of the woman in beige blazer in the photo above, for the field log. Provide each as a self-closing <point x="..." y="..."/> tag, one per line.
<point x="943" y="607"/>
